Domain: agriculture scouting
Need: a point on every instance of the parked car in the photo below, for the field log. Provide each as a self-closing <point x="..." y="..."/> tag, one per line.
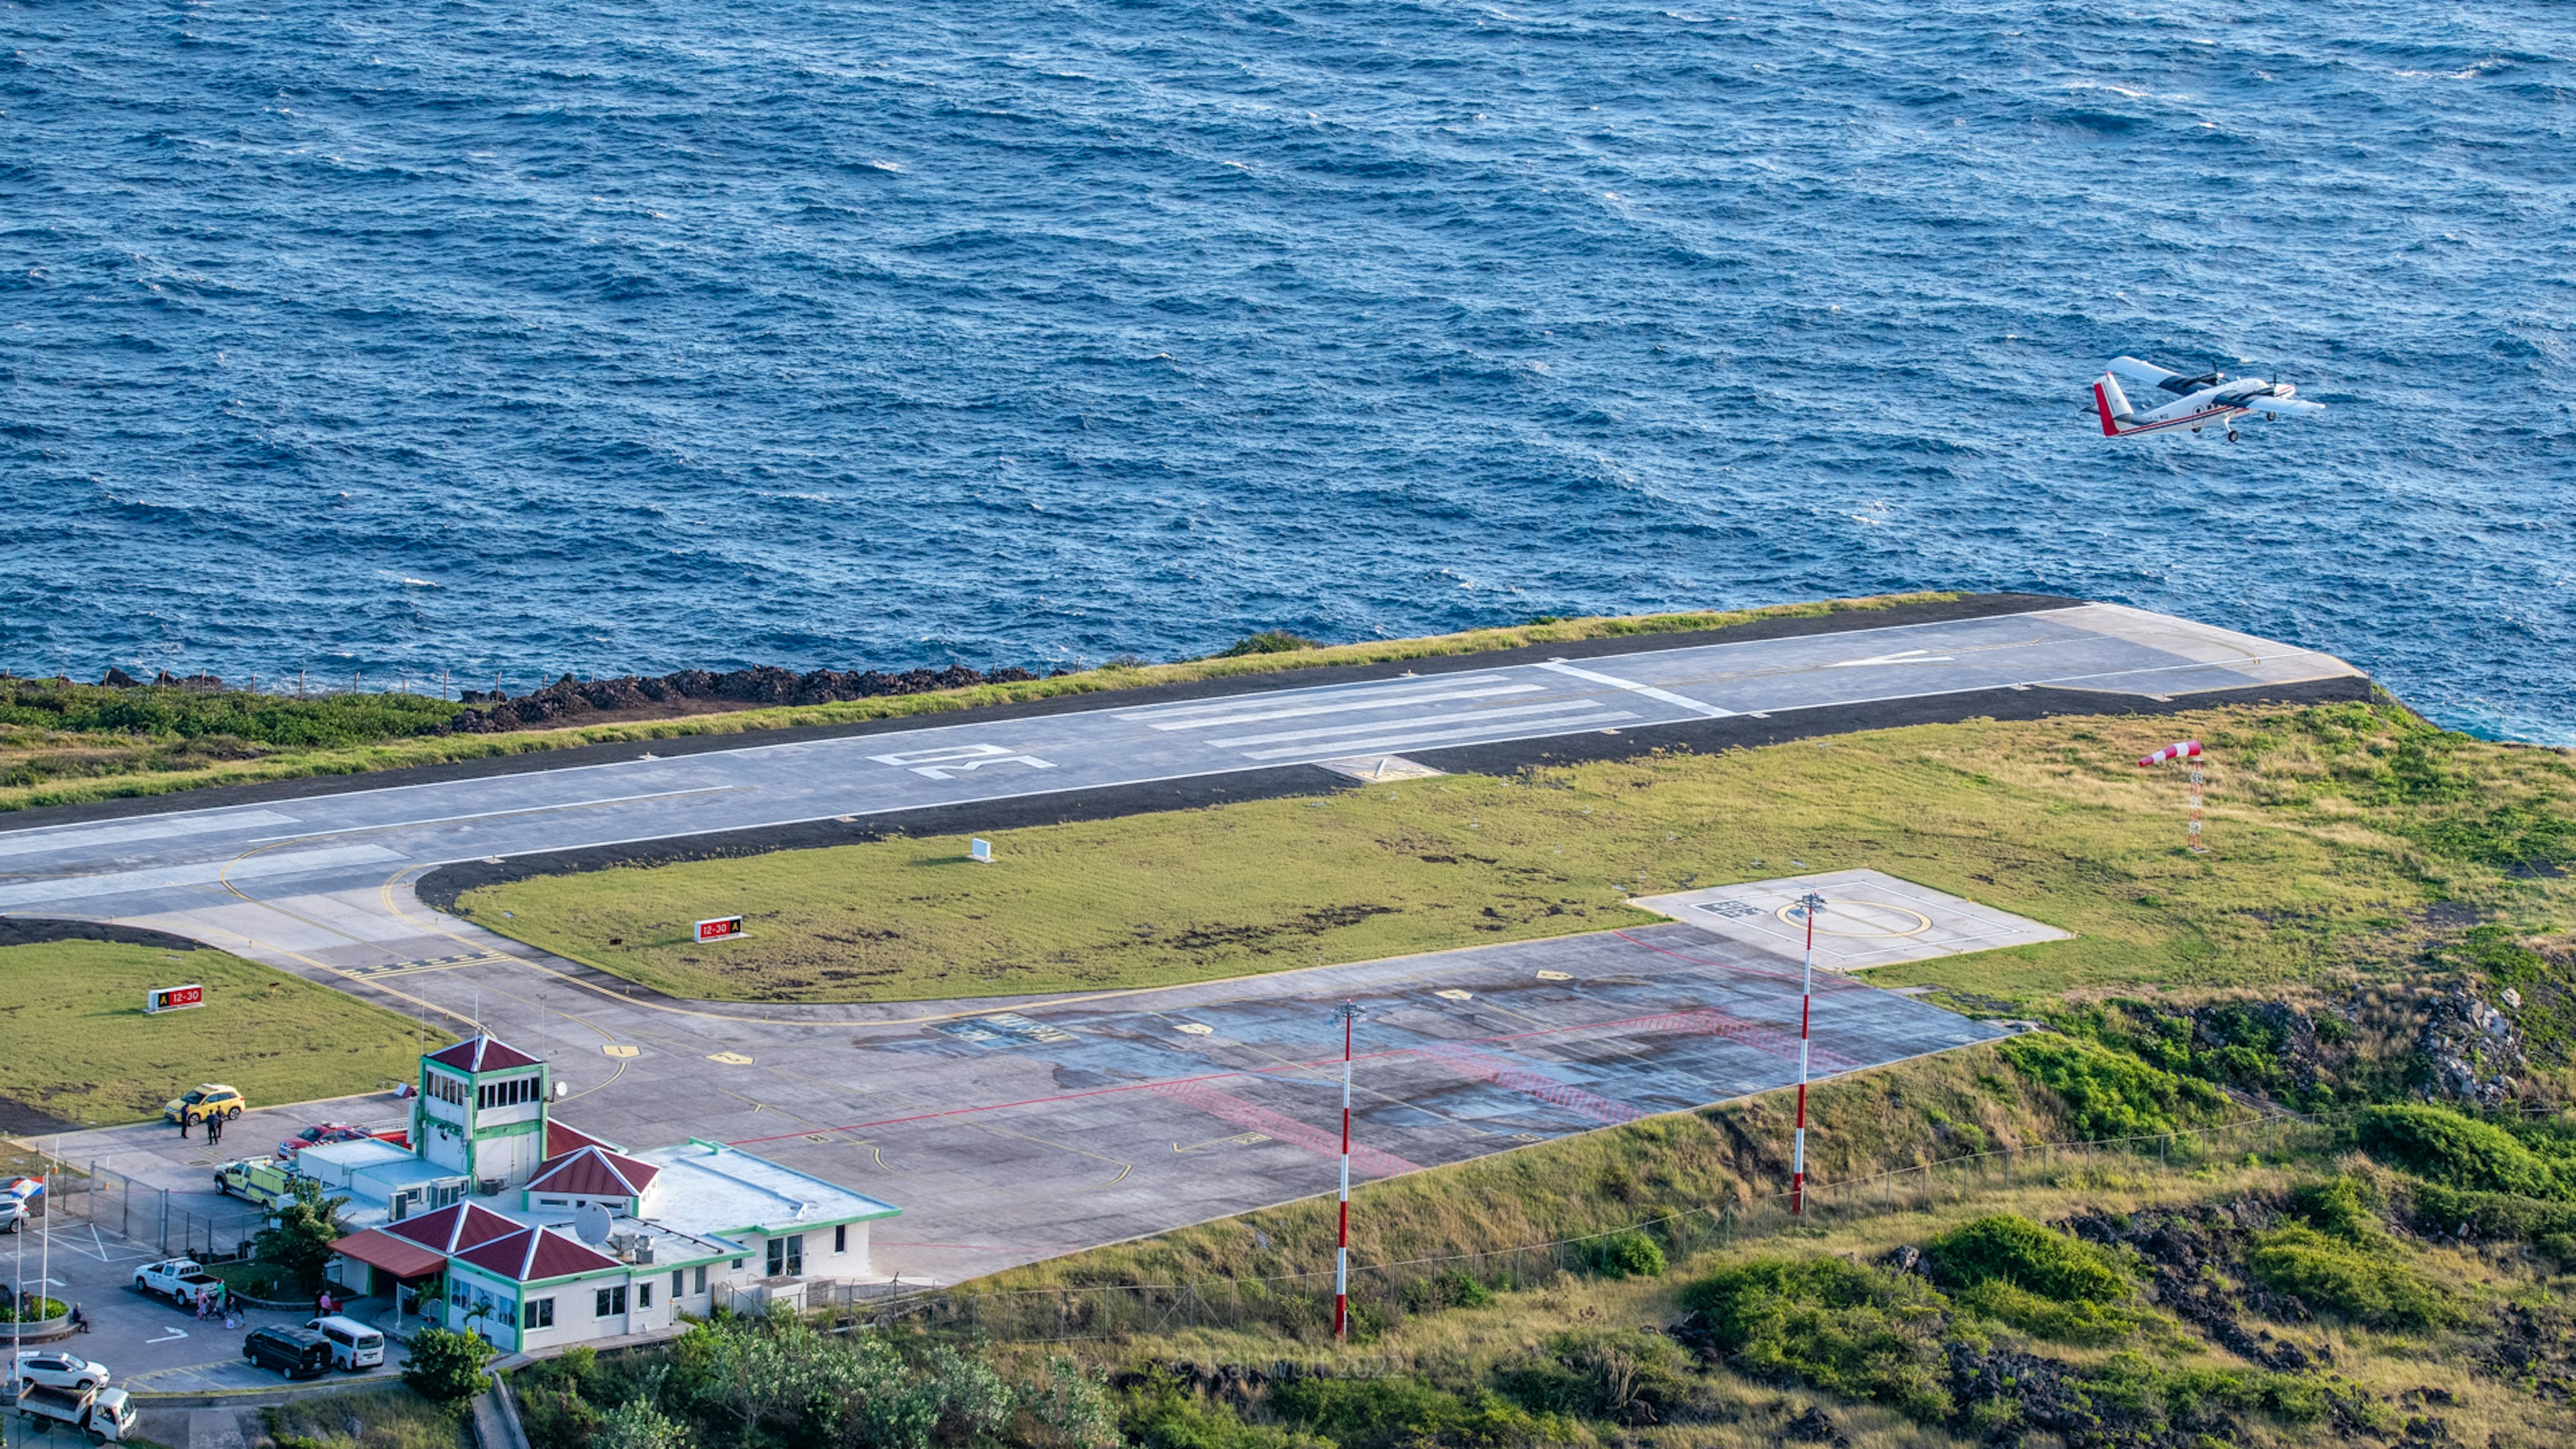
<point x="214" y="1099"/>
<point x="106" y="1413"/>
<point x="261" y="1180"/>
<point x="181" y="1280"/>
<point x="297" y="1353"/>
<point x="61" y="1370"/>
<point x="354" y="1345"/>
<point x="316" y="1135"/>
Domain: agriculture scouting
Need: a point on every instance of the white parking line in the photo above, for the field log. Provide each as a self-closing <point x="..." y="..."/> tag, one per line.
<point x="1588" y="716"/>
<point x="1556" y="706"/>
<point x="1648" y="690"/>
<point x="1346" y="706"/>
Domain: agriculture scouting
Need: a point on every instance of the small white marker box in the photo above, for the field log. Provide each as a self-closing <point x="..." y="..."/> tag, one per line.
<point x="980" y="851"/>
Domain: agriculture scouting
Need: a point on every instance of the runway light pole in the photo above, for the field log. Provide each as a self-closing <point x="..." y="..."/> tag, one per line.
<point x="1814" y="905"/>
<point x="1349" y="1013"/>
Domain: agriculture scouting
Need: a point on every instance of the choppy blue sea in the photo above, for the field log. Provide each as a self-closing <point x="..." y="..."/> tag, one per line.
<point x="590" y="336"/>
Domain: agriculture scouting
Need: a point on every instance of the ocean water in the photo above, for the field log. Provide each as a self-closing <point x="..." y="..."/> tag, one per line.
<point x="512" y="338"/>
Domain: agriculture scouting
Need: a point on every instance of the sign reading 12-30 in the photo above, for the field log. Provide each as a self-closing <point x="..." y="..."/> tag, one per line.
<point x="172" y="998"/>
<point x="720" y="928"/>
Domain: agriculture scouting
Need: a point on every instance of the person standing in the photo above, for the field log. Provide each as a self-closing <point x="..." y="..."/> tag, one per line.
<point x="183" y="1124"/>
<point x="214" y="1129"/>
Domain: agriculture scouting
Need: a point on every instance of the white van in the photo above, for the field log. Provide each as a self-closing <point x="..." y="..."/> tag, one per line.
<point x="354" y="1345"/>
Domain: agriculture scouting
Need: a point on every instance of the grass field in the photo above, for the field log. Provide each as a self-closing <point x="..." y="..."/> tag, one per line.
<point x="2333" y="829"/>
<point x="65" y="743"/>
<point x="82" y="1051"/>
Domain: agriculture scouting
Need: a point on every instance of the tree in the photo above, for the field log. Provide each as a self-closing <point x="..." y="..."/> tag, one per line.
<point x="446" y="1367"/>
<point x="636" y="1424"/>
<point x="300" y="1232"/>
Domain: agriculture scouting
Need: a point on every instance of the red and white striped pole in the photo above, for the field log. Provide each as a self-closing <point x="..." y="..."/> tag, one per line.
<point x="1349" y="1013"/>
<point x="2185" y="750"/>
<point x="1813" y="904"/>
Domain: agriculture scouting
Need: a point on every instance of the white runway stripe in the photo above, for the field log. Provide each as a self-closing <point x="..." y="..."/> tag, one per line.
<point x="1554" y="706"/>
<point x="1648" y="690"/>
<point x="1345" y="706"/>
<point x="1389" y="688"/>
<point x="1590" y="717"/>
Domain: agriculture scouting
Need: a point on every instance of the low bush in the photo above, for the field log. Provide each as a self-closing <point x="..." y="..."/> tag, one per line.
<point x="2084" y="1321"/>
<point x="1630" y="1254"/>
<point x="1631" y="1376"/>
<point x="2008" y="1249"/>
<point x="2108" y="1094"/>
<point x="1862" y="1333"/>
<point x="2442" y="1146"/>
<point x="1161" y="1413"/>
<point x="1402" y="1412"/>
<point x="2366" y="1284"/>
<point x="446" y="1367"/>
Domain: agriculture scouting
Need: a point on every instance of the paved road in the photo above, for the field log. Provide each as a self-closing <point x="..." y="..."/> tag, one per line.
<point x="1011" y="1130"/>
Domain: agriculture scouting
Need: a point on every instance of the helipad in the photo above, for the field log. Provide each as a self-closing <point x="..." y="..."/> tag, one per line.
<point x="1869" y="919"/>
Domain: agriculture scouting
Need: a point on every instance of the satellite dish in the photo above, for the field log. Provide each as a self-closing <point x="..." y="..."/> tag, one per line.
<point x="591" y="1222"/>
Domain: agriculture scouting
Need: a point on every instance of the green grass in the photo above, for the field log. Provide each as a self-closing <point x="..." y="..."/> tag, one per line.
<point x="394" y="1418"/>
<point x="2329" y="829"/>
<point x="64" y="743"/>
<point x="81" y="1049"/>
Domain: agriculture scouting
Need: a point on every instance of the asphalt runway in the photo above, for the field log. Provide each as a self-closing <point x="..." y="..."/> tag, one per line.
<point x="1011" y="1130"/>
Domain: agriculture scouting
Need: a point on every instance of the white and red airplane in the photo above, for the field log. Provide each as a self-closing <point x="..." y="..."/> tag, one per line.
<point x="2199" y="401"/>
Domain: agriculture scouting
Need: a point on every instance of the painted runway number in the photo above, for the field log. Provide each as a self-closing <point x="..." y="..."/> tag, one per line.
<point x="955" y="760"/>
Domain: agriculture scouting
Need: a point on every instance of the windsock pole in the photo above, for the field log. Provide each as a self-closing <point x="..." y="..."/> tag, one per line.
<point x="1342" y="1250"/>
<point x="1814" y="904"/>
<point x="2185" y="750"/>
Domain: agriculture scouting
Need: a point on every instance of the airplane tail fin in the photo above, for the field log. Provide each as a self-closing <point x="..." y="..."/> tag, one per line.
<point x="2113" y="405"/>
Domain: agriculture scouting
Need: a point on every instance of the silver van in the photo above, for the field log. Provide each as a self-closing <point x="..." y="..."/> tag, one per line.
<point x="354" y="1345"/>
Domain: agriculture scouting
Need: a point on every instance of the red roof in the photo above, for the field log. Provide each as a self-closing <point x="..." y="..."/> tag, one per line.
<point x="453" y="1229"/>
<point x="394" y="1255"/>
<point x="483" y="1054"/>
<point x="594" y="1172"/>
<point x="561" y="1139"/>
<point x="533" y="1255"/>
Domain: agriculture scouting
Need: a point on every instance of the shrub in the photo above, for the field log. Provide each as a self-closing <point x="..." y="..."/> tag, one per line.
<point x="2442" y="1146"/>
<point x="2109" y="1094"/>
<point x="2339" y="1207"/>
<point x="1634" y="1376"/>
<point x="2035" y="1259"/>
<point x="1160" y="1414"/>
<point x="1629" y="1254"/>
<point x="301" y="1229"/>
<point x="446" y="1367"/>
<point x="1862" y="1333"/>
<point x="1401" y="1412"/>
<point x="636" y="1424"/>
<point x="2368" y="1286"/>
<point x="1268" y="641"/>
<point x="2084" y="1321"/>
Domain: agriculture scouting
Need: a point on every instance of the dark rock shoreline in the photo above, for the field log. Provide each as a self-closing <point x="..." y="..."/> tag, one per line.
<point x="567" y="700"/>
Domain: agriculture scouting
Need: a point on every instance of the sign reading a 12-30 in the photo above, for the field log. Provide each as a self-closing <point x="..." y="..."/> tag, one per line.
<point x="173" y="998"/>
<point x="719" y="928"/>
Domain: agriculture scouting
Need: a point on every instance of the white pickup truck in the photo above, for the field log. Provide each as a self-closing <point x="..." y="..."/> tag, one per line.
<point x="106" y="1413"/>
<point x="181" y="1280"/>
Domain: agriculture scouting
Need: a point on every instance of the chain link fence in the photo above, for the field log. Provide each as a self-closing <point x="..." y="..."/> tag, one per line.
<point x="148" y="1216"/>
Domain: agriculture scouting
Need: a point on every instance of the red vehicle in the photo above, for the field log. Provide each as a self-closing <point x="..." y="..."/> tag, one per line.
<point x="320" y="1133"/>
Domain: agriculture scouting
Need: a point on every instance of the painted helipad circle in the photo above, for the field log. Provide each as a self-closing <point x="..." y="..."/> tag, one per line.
<point x="1868" y="920"/>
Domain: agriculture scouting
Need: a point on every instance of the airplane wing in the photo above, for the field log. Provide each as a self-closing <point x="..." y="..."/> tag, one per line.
<point x="2288" y="407"/>
<point x="2136" y="371"/>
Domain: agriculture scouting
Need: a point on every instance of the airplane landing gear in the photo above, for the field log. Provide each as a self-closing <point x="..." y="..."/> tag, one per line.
<point x="2231" y="435"/>
<point x="2271" y="417"/>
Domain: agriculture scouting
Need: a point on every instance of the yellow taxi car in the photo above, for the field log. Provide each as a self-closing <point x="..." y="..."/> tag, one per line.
<point x="211" y="1100"/>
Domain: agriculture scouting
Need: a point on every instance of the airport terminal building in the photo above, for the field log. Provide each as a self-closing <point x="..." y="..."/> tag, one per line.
<point x="502" y="1222"/>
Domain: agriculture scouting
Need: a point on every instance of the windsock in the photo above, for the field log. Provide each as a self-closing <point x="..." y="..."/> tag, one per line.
<point x="2181" y="750"/>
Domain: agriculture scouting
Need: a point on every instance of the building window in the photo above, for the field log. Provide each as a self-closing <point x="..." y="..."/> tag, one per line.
<point x="698" y="1281"/>
<point x="554" y="1202"/>
<point x="680" y="1282"/>
<point x="737" y="1265"/>
<point x="787" y="1257"/>
<point x="540" y="1314"/>
<point x="447" y="1089"/>
<point x="506" y="1094"/>
<point x="841" y="1238"/>
<point x="643" y="1295"/>
<point x="611" y="1302"/>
